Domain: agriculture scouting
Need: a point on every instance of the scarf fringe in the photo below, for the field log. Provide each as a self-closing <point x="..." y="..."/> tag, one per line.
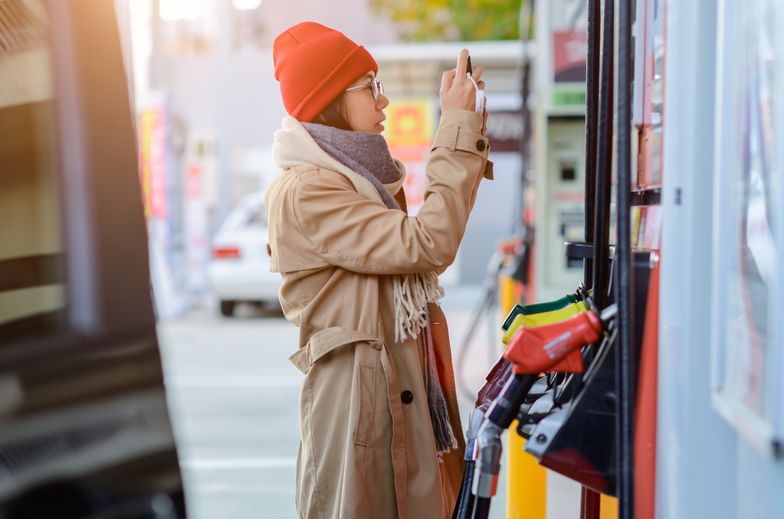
<point x="412" y="294"/>
<point x="439" y="412"/>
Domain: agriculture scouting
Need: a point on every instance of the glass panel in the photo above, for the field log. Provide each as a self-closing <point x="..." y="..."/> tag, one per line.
<point x="753" y="258"/>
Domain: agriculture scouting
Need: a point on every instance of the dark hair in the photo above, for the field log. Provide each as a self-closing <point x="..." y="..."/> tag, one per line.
<point x="334" y="115"/>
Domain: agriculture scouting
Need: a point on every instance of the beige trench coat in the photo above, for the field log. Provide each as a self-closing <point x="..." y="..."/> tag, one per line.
<point x="367" y="446"/>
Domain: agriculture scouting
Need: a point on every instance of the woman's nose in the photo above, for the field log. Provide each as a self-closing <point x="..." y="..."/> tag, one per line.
<point x="382" y="102"/>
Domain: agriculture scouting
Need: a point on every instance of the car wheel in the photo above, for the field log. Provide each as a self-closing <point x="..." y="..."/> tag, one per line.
<point x="227" y="308"/>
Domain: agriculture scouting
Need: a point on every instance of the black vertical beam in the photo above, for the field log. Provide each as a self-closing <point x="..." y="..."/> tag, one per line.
<point x="590" y="499"/>
<point x="526" y="35"/>
<point x="591" y="119"/>
<point x="624" y="272"/>
<point x="604" y="159"/>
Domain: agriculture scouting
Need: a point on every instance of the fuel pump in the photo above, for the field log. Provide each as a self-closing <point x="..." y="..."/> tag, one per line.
<point x="559" y="194"/>
<point x="562" y="214"/>
<point x="579" y="420"/>
<point x="499" y="374"/>
<point x="531" y="351"/>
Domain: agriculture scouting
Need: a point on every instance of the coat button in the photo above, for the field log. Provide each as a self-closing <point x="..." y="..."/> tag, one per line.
<point x="480" y="145"/>
<point x="407" y="397"/>
<point x="269" y="250"/>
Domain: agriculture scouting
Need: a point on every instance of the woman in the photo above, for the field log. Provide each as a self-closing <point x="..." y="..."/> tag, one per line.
<point x="381" y="434"/>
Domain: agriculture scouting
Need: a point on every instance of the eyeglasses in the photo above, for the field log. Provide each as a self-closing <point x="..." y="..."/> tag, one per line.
<point x="376" y="86"/>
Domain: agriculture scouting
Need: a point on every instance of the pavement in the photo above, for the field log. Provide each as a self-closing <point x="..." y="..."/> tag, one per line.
<point x="233" y="401"/>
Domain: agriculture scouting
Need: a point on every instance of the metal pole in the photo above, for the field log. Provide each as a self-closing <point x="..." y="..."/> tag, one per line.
<point x="624" y="273"/>
<point x="591" y="118"/>
<point x="223" y="125"/>
<point x="604" y="159"/>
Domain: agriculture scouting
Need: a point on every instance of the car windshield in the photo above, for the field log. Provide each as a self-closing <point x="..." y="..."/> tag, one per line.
<point x="256" y="217"/>
<point x="249" y="212"/>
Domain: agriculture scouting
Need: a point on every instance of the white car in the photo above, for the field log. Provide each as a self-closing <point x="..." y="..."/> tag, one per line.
<point x="239" y="269"/>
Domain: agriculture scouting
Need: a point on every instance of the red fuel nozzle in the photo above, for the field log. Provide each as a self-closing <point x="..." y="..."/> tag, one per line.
<point x="495" y="380"/>
<point x="554" y="347"/>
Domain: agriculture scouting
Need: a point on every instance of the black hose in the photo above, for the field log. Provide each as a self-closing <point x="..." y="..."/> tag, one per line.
<point x="486" y="302"/>
<point x="604" y="160"/>
<point x="465" y="500"/>
<point x="482" y="510"/>
<point x="506" y="407"/>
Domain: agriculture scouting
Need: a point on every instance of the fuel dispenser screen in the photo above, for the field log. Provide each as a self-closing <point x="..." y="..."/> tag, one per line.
<point x="572" y="227"/>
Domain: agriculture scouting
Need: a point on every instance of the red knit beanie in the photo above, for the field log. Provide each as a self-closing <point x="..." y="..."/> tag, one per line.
<point x="314" y="65"/>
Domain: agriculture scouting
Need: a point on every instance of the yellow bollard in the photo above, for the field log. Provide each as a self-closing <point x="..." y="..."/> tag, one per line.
<point x="506" y="293"/>
<point x="526" y="495"/>
<point x="526" y="479"/>
<point x="609" y="507"/>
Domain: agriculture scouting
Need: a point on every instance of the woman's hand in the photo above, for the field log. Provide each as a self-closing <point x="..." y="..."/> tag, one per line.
<point x="457" y="92"/>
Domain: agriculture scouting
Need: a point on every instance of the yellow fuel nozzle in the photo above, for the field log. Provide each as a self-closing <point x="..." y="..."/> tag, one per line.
<point x="543" y="318"/>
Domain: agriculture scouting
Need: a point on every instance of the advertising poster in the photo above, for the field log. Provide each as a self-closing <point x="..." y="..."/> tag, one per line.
<point x="409" y="131"/>
<point x="152" y="161"/>
<point x="153" y="148"/>
<point x="568" y="44"/>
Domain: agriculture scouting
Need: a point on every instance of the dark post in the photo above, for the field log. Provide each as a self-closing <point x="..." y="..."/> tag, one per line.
<point x="624" y="272"/>
<point x="591" y="118"/>
<point x="590" y="500"/>
<point x="604" y="160"/>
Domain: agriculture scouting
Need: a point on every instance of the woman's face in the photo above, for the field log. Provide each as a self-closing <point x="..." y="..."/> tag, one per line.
<point x="363" y="112"/>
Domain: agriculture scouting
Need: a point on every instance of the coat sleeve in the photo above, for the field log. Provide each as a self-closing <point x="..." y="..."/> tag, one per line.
<point x="362" y="235"/>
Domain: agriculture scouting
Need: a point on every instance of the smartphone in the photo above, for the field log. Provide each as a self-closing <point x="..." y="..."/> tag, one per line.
<point x="479" y="104"/>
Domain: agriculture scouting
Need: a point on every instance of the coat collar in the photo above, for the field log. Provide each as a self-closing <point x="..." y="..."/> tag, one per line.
<point x="294" y="147"/>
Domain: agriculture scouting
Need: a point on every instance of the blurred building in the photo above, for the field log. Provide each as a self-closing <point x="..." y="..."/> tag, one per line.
<point x="208" y="105"/>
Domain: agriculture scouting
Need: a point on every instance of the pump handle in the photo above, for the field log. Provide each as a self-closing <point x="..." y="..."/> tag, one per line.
<point x="541" y="348"/>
